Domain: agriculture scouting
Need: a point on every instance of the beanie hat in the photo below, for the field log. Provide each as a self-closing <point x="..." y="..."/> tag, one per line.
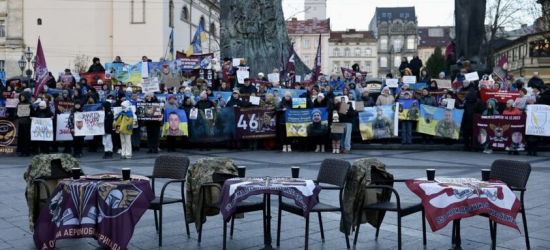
<point x="511" y="102"/>
<point x="125" y="104"/>
<point x="170" y="97"/>
<point x="203" y="94"/>
<point x="42" y="104"/>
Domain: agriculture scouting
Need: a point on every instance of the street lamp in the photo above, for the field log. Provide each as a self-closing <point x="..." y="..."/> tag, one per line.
<point x="22" y="64"/>
<point x="28" y="54"/>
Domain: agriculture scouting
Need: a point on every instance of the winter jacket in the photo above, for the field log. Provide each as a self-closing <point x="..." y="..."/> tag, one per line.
<point x="248" y="89"/>
<point x="234" y="102"/>
<point x="427" y="100"/>
<point x="472" y="106"/>
<point x="492" y="111"/>
<point x="43" y="113"/>
<point x="70" y="123"/>
<point x="96" y="68"/>
<point x="25" y="119"/>
<point x="544" y="98"/>
<point x="367" y="101"/>
<point x="283" y="104"/>
<point x="109" y="118"/>
<point x="204" y="104"/>
<point x="514" y="111"/>
<point x="535" y="82"/>
<point x="348" y="116"/>
<point x="384" y="100"/>
<point x="402" y="67"/>
<point x="167" y="105"/>
<point x="322" y="104"/>
<point x="415" y="66"/>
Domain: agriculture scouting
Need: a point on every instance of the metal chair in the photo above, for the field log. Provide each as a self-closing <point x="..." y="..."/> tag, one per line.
<point x="333" y="172"/>
<point x="174" y="168"/>
<point x="515" y="174"/>
<point x="249" y="205"/>
<point x="56" y="173"/>
<point x="402" y="209"/>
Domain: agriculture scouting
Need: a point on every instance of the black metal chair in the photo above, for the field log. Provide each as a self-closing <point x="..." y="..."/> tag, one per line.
<point x="402" y="209"/>
<point x="56" y="173"/>
<point x="246" y="206"/>
<point x="515" y="174"/>
<point x="333" y="172"/>
<point x="174" y="168"/>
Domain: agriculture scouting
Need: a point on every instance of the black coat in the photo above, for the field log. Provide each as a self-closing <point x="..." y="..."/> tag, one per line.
<point x="43" y="113"/>
<point x="415" y="66"/>
<point x="368" y="101"/>
<point x="248" y="90"/>
<point x="204" y="104"/>
<point x="535" y="82"/>
<point x="96" y="68"/>
<point x="322" y="104"/>
<point x="348" y="117"/>
<point x="234" y="102"/>
<point x="109" y="118"/>
<point x="472" y="106"/>
<point x="544" y="98"/>
<point x="280" y="112"/>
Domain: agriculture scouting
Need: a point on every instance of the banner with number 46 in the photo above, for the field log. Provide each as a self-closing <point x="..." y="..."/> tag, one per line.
<point x="255" y="123"/>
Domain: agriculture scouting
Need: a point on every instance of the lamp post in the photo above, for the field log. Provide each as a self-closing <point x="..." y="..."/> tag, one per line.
<point x="28" y="55"/>
<point x="22" y="64"/>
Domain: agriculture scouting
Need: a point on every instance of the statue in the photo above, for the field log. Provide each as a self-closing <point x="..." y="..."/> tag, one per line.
<point x="256" y="30"/>
<point x="469" y="29"/>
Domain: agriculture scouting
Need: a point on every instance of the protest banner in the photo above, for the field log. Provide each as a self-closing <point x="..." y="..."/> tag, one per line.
<point x="93" y="77"/>
<point x="194" y="61"/>
<point x="221" y="97"/>
<point x="89" y="123"/>
<point x="349" y="73"/>
<point x="124" y="73"/>
<point x="306" y="122"/>
<point x="175" y="123"/>
<point x="67" y="81"/>
<point x="220" y="128"/>
<point x="41" y="129"/>
<point x="408" y="110"/>
<point x="294" y="93"/>
<point x="273" y="77"/>
<point x="150" y="85"/>
<point x="520" y="103"/>
<point x="502" y="96"/>
<point x="63" y="107"/>
<point x="172" y="82"/>
<point x="299" y="103"/>
<point x="440" y="121"/>
<point x="92" y="107"/>
<point x="378" y="122"/>
<point x="242" y="73"/>
<point x="8" y="95"/>
<point x="149" y="111"/>
<point x="254" y="100"/>
<point x="255" y="123"/>
<point x="538" y="122"/>
<point x="12" y="103"/>
<point x="499" y="132"/>
<point x="443" y="84"/>
<point x="409" y="79"/>
<point x="63" y="132"/>
<point x="8" y="136"/>
<point x="392" y="83"/>
<point x="472" y="76"/>
<point x="23" y="110"/>
<point x="450" y="103"/>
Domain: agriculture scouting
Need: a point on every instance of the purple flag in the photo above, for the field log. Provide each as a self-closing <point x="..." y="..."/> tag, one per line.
<point x="282" y="67"/>
<point x="317" y="67"/>
<point x="291" y="68"/>
<point x="41" y="76"/>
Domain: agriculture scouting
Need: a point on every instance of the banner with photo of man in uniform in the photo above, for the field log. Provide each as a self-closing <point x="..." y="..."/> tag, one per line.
<point x="175" y="123"/>
<point x="378" y="122"/>
<point x="499" y="132"/>
<point x="220" y="128"/>
<point x="440" y="121"/>
<point x="306" y="122"/>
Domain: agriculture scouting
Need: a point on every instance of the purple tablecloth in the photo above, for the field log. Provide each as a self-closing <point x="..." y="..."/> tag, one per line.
<point x="303" y="192"/>
<point x="105" y="210"/>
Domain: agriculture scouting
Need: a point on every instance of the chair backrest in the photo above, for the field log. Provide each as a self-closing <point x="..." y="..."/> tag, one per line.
<point x="334" y="172"/>
<point x="513" y="173"/>
<point x="172" y="166"/>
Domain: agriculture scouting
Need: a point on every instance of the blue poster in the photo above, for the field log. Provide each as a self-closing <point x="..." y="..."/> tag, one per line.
<point x="220" y="98"/>
<point x="175" y="123"/>
<point x="440" y="121"/>
<point x="306" y="122"/>
<point x="378" y="122"/>
<point x="294" y="93"/>
<point x="91" y="107"/>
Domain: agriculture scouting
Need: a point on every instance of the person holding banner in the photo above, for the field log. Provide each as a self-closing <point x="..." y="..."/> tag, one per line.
<point x="124" y="125"/>
<point x="43" y="112"/>
<point x="153" y="128"/>
<point x="319" y="140"/>
<point x="427" y="99"/>
<point x="385" y="98"/>
<point x="346" y="117"/>
<point x="510" y="109"/>
<point x="235" y="102"/>
<point x="78" y="141"/>
<point x="285" y="104"/>
<point x="24" y="111"/>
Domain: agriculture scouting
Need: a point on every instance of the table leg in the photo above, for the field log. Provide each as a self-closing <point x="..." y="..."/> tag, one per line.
<point x="456" y="237"/>
<point x="267" y="229"/>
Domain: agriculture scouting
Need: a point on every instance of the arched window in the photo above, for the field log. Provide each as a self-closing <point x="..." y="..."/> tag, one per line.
<point x="213" y="29"/>
<point x="39" y="21"/>
<point x="184" y="16"/>
<point x="337" y="52"/>
<point x="357" y="52"/>
<point x="171" y="14"/>
<point x="202" y="22"/>
<point x="347" y="52"/>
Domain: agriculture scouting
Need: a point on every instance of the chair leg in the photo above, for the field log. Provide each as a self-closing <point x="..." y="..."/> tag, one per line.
<point x="232" y="225"/>
<point x="357" y="229"/>
<point x="185" y="216"/>
<point x="524" y="218"/>
<point x="156" y="221"/>
<point x="200" y="228"/>
<point x="160" y="226"/>
<point x="491" y="230"/>
<point x="278" y="226"/>
<point x="379" y="223"/>
<point x="321" y="227"/>
<point x="307" y="233"/>
<point x="424" y="227"/>
<point x="224" y="234"/>
<point x="453" y="236"/>
<point x="494" y="244"/>
<point x="399" y="232"/>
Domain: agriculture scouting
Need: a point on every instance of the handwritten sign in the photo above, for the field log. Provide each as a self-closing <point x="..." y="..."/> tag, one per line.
<point x="255" y="100"/>
<point x="42" y="129"/>
<point x="273" y="77"/>
<point x="63" y="132"/>
<point x="392" y="83"/>
<point x="443" y="84"/>
<point x="89" y="123"/>
<point x="23" y="110"/>
<point x="409" y="79"/>
<point x="12" y="103"/>
<point x="242" y="74"/>
<point x="472" y="76"/>
<point x="150" y="85"/>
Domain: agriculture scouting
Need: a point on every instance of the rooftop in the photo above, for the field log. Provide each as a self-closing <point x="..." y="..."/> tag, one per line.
<point x="403" y="13"/>
<point x="350" y="35"/>
<point x="435" y="36"/>
<point x="309" y="26"/>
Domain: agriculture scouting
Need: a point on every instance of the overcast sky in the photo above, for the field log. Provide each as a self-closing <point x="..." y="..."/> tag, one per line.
<point x="356" y="14"/>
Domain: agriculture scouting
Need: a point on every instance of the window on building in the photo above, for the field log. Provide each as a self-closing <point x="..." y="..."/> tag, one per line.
<point x="368" y="52"/>
<point x="357" y="52"/>
<point x="383" y="62"/>
<point x="347" y="52"/>
<point x="307" y="61"/>
<point x="213" y="29"/>
<point x="316" y="43"/>
<point x="347" y="65"/>
<point x="184" y="16"/>
<point x="336" y="67"/>
<point x="2" y="28"/>
<point x="171" y="14"/>
<point x="410" y="43"/>
<point x="306" y="43"/>
<point x="2" y="65"/>
<point x="389" y="15"/>
<point x="397" y="44"/>
<point x="336" y="52"/>
<point x="397" y="61"/>
<point x="401" y="15"/>
<point x="384" y="15"/>
<point x="39" y="21"/>
<point x="384" y="43"/>
<point x="138" y="11"/>
<point x="427" y="55"/>
<point x="368" y="66"/>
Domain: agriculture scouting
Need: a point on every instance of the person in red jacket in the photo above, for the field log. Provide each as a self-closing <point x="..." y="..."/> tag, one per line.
<point x="510" y="109"/>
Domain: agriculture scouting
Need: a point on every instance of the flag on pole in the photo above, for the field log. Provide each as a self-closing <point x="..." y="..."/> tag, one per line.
<point x="41" y="76"/>
<point x="171" y="46"/>
<point x="282" y="66"/>
<point x="196" y="45"/>
<point x="291" y="68"/>
<point x="501" y="70"/>
<point x="317" y="67"/>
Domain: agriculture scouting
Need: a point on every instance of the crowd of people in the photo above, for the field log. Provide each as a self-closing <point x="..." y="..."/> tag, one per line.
<point x="122" y="130"/>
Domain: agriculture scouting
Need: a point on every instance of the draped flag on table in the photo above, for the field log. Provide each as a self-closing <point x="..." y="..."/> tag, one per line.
<point x="41" y="76"/>
<point x="306" y="122"/>
<point x="196" y="45"/>
<point x="8" y="138"/>
<point x="175" y="123"/>
<point x="255" y="123"/>
<point x="212" y="125"/>
<point x="440" y="121"/>
<point x="499" y="132"/>
<point x="378" y="122"/>
<point x="538" y="120"/>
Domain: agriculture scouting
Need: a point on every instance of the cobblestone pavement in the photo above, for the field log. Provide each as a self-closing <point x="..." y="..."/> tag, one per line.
<point x="14" y="232"/>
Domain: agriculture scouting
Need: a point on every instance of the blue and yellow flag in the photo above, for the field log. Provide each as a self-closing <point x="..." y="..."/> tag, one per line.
<point x="196" y="45"/>
<point x="171" y="46"/>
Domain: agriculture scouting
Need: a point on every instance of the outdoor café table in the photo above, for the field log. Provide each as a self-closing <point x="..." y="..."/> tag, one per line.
<point x="452" y="199"/>
<point x="100" y="206"/>
<point x="304" y="193"/>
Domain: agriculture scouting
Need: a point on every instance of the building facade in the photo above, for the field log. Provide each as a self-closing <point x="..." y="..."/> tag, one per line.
<point x="106" y="29"/>
<point x="431" y="37"/>
<point x="315" y="9"/>
<point x="305" y="36"/>
<point x="350" y="47"/>
<point x="11" y="36"/>
<point x="396" y="30"/>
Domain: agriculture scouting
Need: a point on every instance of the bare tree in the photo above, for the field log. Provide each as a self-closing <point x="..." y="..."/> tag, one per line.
<point x="81" y="63"/>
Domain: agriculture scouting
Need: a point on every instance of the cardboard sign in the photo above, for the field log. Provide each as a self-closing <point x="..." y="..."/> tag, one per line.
<point x="392" y="83"/>
<point x="472" y="76"/>
<point x="255" y="100"/>
<point x="273" y="77"/>
<point x="150" y="85"/>
<point x="450" y="103"/>
<point x="172" y="82"/>
<point x="12" y="103"/>
<point x="337" y="128"/>
<point x="359" y="106"/>
<point x="242" y="74"/>
<point x="409" y="79"/>
<point x="23" y="110"/>
<point x="41" y="129"/>
<point x="344" y="107"/>
<point x="444" y="84"/>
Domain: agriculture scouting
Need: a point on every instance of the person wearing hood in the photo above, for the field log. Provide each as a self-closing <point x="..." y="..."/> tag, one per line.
<point x="425" y="76"/>
<point x="415" y="65"/>
<point x="108" y="126"/>
<point x="282" y="106"/>
<point x="385" y="98"/>
<point x="404" y="64"/>
<point x="535" y="81"/>
<point x="510" y="109"/>
<point x="65" y="96"/>
<point x="124" y="125"/>
<point x="472" y="106"/>
<point x="466" y="87"/>
<point x="368" y="101"/>
<point x="441" y="76"/>
<point x="78" y="141"/>
<point x="170" y="102"/>
<point x="491" y="107"/>
<point x="24" y="130"/>
<point x="153" y="127"/>
<point x="96" y="66"/>
<point x="235" y="100"/>
<point x="433" y="86"/>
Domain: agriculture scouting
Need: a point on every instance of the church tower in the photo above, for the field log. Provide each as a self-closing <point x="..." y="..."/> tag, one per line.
<point x="316" y="9"/>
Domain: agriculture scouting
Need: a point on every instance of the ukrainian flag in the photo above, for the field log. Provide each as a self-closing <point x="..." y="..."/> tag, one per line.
<point x="171" y="46"/>
<point x="196" y="45"/>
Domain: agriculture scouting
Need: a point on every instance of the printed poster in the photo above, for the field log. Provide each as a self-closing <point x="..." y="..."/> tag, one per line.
<point x="63" y="132"/>
<point x="294" y="93"/>
<point x="149" y="111"/>
<point x="409" y="110"/>
<point x="502" y="96"/>
<point x="443" y="84"/>
<point x="409" y="79"/>
<point x="242" y="73"/>
<point x="175" y="123"/>
<point x="124" y="73"/>
<point x="255" y="123"/>
<point x="12" y="103"/>
<point x="89" y="123"/>
<point x="220" y="98"/>
<point x="499" y="132"/>
<point x="220" y="128"/>
<point x="23" y="110"/>
<point x="299" y="103"/>
<point x="440" y="121"/>
<point x="537" y="122"/>
<point x="41" y="129"/>
<point x="378" y="122"/>
<point x="63" y="107"/>
<point x="8" y="135"/>
<point x="150" y="85"/>
<point x="273" y="77"/>
<point x="306" y="122"/>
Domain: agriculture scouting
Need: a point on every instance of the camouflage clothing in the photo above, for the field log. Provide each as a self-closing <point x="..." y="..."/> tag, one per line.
<point x="447" y="129"/>
<point x="40" y="166"/>
<point x="358" y="178"/>
<point x="201" y="172"/>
